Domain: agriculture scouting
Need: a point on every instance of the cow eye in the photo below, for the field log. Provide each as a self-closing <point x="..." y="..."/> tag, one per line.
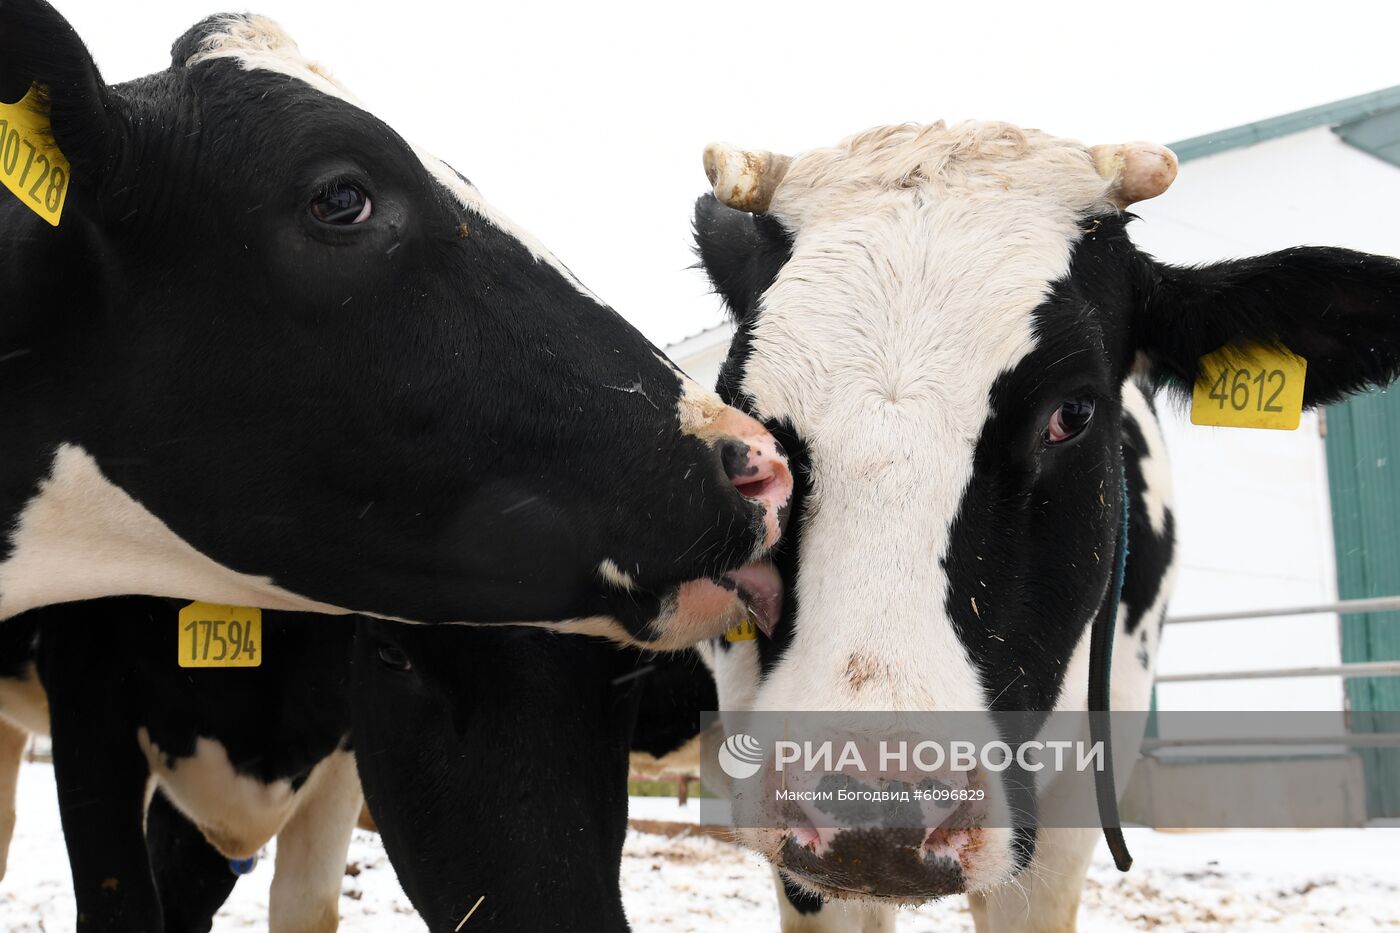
<point x="342" y="204"/>
<point x="1069" y="420"/>
<point x="394" y="659"/>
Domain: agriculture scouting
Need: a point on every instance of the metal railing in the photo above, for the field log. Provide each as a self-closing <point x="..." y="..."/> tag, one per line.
<point x="1344" y="607"/>
<point x="1347" y="671"/>
<point x="1353" y="739"/>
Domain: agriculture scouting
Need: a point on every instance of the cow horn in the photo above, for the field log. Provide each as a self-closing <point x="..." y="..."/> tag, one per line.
<point x="1135" y="171"/>
<point x="742" y="179"/>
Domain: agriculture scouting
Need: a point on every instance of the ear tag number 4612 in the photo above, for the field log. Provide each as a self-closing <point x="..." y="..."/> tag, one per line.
<point x="31" y="165"/>
<point x="220" y="636"/>
<point x="1250" y="388"/>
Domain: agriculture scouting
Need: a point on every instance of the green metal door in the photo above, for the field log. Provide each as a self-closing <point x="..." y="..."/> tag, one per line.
<point x="1363" y="467"/>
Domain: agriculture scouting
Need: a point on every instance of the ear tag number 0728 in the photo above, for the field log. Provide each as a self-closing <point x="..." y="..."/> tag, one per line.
<point x="1250" y="388"/>
<point x="31" y="165"/>
<point x="220" y="636"/>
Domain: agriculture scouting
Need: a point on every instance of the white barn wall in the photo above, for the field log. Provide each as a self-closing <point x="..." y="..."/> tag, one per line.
<point x="1253" y="511"/>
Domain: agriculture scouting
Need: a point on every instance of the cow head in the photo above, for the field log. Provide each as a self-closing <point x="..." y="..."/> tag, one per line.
<point x="939" y="323"/>
<point x="275" y="355"/>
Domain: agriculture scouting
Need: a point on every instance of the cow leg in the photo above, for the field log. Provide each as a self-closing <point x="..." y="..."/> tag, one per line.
<point x="311" y="849"/>
<point x="13" y="739"/>
<point x="800" y="911"/>
<point x="102" y="779"/>
<point x="192" y="877"/>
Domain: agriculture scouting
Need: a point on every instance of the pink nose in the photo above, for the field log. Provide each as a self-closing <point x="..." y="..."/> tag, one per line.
<point x="758" y="468"/>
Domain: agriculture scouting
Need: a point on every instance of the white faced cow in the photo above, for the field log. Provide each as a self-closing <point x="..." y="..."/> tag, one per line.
<point x="274" y="355"/>
<point x="944" y="326"/>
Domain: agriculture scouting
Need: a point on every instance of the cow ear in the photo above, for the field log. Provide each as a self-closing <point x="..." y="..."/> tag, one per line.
<point x="38" y="46"/>
<point x="740" y="252"/>
<point x="1338" y="309"/>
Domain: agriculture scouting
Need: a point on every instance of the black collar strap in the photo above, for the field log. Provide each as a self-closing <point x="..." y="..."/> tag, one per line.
<point x="1105" y="624"/>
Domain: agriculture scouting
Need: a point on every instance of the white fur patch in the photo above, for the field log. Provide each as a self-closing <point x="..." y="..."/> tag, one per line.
<point x="615" y="575"/>
<point x="1156" y="471"/>
<point x="238" y="814"/>
<point x="82" y="537"/>
<point x="259" y="42"/>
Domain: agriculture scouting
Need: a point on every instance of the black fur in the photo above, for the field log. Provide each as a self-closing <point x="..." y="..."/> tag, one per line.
<point x="495" y="762"/>
<point x="802" y="900"/>
<point x="37" y="46"/>
<point x="742" y="253"/>
<point x="1336" y="308"/>
<point x="192" y="879"/>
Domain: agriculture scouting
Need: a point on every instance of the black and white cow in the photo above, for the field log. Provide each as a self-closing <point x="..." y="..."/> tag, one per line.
<point x="511" y="782"/>
<point x="211" y="764"/>
<point x="274" y="355"/>
<point x="943" y="326"/>
<point x="496" y="757"/>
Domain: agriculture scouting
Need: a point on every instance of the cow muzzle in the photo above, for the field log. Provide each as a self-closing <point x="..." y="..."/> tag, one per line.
<point x="897" y="832"/>
<point x="907" y="864"/>
<point x="931" y="849"/>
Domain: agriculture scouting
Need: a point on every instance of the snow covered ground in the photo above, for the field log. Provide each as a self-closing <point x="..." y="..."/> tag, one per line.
<point x="1240" y="881"/>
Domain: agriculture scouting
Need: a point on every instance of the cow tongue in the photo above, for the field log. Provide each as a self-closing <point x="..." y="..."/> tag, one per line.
<point x="761" y="588"/>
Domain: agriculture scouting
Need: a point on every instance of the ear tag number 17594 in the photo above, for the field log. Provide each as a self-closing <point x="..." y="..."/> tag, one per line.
<point x="220" y="636"/>
<point x="1250" y="388"/>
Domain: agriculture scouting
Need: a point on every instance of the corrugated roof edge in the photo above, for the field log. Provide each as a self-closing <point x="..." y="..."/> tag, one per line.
<point x="718" y="333"/>
<point x="1341" y="111"/>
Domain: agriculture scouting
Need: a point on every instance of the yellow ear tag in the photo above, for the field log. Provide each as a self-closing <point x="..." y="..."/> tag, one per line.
<point x="1250" y="387"/>
<point x="746" y="630"/>
<point x="30" y="164"/>
<point x="220" y="636"/>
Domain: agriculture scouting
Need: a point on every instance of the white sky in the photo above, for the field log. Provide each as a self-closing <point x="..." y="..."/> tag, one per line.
<point x="585" y="121"/>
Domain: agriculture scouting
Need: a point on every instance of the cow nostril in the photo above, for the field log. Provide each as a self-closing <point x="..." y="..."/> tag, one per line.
<point x="750" y="478"/>
<point x="735" y="457"/>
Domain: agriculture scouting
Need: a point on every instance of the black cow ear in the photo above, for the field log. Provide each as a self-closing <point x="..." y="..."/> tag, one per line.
<point x="38" y="46"/>
<point x="742" y="253"/>
<point x="1338" y="309"/>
